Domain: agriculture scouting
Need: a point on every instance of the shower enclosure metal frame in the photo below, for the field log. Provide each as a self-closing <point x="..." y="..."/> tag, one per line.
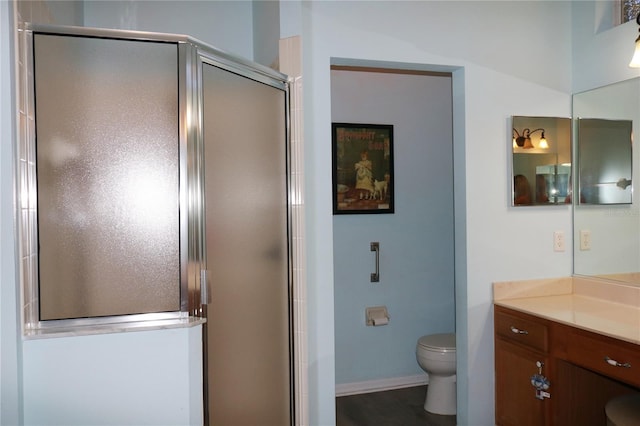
<point x="194" y="291"/>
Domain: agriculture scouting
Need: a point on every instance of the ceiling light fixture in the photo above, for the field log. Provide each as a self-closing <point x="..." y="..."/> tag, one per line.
<point x="635" y="61"/>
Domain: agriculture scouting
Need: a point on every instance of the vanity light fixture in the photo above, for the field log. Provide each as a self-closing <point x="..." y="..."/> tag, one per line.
<point x="524" y="141"/>
<point x="635" y="61"/>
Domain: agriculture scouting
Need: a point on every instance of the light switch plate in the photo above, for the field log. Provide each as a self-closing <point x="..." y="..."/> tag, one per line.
<point x="585" y="239"/>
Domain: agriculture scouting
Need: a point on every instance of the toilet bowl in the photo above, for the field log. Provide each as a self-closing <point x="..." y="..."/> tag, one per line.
<point x="436" y="355"/>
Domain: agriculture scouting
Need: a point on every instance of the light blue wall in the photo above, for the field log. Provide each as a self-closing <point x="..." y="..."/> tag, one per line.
<point x="226" y="25"/>
<point x="266" y="32"/>
<point x="66" y="12"/>
<point x="133" y="378"/>
<point x="416" y="242"/>
<point x="10" y="336"/>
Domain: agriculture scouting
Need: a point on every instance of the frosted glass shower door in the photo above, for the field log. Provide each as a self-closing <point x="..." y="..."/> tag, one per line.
<point x="248" y="330"/>
<point x="107" y="176"/>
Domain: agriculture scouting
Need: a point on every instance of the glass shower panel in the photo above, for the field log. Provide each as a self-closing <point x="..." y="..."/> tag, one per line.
<point x="107" y="176"/>
<point x="247" y="325"/>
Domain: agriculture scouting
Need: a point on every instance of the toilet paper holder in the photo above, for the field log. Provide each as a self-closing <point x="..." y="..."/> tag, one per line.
<point x="376" y="315"/>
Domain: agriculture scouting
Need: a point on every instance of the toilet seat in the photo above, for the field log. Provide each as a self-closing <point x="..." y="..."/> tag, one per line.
<point x="438" y="342"/>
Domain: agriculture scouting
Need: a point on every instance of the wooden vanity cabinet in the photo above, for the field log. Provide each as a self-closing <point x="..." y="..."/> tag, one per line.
<point x="604" y="355"/>
<point x="581" y="379"/>
<point x="521" y="341"/>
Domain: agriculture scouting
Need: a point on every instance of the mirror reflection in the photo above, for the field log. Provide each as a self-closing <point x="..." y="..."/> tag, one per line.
<point x="541" y="160"/>
<point x="604" y="161"/>
<point x="612" y="230"/>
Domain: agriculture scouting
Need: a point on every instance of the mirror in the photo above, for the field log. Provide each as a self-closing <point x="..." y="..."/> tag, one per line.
<point x="607" y="236"/>
<point x="604" y="161"/>
<point x="541" y="161"/>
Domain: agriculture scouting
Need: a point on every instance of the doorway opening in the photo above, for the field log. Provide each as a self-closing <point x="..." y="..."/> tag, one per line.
<point x="417" y="243"/>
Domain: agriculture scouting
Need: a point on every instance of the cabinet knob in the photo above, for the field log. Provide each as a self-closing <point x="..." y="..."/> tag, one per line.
<point x="518" y="331"/>
<point x="616" y="363"/>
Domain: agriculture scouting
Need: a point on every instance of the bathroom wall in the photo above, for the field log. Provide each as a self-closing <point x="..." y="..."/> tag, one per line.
<point x="416" y="242"/>
<point x="266" y="32"/>
<point x="10" y="336"/>
<point x="495" y="75"/>
<point x="133" y="378"/>
<point x="226" y="25"/>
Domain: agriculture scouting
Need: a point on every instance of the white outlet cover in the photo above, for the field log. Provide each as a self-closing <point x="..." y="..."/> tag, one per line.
<point x="558" y="241"/>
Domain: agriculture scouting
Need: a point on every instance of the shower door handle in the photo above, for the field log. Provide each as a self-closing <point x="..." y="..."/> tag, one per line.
<point x="375" y="276"/>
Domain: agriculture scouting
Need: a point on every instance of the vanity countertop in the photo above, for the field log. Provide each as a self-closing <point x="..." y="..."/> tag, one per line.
<point x="607" y="308"/>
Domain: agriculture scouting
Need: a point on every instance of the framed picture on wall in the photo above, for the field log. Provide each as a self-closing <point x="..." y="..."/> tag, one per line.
<point x="362" y="161"/>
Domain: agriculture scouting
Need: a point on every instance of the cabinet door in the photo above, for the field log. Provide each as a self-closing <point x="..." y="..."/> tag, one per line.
<point x="516" y="402"/>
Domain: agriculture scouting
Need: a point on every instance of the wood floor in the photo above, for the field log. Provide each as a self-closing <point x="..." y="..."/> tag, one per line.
<point x="400" y="407"/>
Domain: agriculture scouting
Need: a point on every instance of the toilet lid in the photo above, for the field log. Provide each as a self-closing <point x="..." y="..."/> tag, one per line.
<point x="439" y="342"/>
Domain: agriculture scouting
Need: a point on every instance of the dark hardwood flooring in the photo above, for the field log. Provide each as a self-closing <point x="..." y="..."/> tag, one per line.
<point x="398" y="407"/>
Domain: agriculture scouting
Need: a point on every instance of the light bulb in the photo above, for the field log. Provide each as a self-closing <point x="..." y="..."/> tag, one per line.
<point x="635" y="61"/>
<point x="543" y="144"/>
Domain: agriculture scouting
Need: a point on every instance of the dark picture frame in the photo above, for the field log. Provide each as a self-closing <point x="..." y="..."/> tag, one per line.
<point x="362" y="163"/>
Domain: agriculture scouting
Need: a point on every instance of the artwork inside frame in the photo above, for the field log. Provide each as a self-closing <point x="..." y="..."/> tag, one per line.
<point x="362" y="160"/>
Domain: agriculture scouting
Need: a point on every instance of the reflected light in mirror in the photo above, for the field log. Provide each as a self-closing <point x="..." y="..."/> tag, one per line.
<point x="543" y="142"/>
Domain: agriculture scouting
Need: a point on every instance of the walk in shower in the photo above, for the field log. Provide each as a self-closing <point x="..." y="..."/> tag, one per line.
<point x="153" y="190"/>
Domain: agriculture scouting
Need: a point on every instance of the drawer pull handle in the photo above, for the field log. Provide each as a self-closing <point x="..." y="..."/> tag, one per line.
<point x="518" y="331"/>
<point x="616" y="363"/>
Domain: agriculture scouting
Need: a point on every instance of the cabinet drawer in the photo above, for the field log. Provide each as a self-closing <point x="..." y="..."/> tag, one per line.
<point x="522" y="330"/>
<point x="592" y="352"/>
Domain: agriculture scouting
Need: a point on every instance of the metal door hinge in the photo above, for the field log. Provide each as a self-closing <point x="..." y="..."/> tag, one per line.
<point x="205" y="290"/>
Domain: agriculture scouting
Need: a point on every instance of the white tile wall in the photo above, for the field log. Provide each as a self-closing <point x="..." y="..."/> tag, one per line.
<point x="290" y="63"/>
<point x="33" y="11"/>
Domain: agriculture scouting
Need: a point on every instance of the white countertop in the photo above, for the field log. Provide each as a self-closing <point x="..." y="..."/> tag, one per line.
<point x="603" y="307"/>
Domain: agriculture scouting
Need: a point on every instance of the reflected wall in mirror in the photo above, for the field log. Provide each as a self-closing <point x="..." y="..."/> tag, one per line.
<point x="604" y="161"/>
<point x="612" y="230"/>
<point x="541" y="161"/>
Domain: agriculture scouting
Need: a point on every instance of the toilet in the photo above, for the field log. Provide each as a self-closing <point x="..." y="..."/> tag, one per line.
<point x="436" y="355"/>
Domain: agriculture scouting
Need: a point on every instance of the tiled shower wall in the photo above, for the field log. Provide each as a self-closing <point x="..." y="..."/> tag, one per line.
<point x="290" y="64"/>
<point x="34" y="12"/>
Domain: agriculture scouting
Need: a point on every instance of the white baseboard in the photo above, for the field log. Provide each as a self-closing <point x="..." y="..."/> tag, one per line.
<point x="381" y="385"/>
